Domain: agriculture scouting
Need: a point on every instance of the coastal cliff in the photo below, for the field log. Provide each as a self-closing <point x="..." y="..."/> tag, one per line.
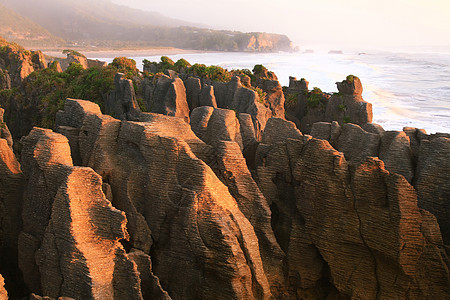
<point x="201" y="183"/>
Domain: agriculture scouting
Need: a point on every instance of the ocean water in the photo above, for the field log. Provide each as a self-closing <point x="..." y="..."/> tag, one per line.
<point x="405" y="89"/>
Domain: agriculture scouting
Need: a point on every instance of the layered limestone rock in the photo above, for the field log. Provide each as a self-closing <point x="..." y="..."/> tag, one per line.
<point x="432" y="181"/>
<point x="415" y="137"/>
<point x="151" y="287"/>
<point x="393" y="147"/>
<point x="232" y="95"/>
<point x="396" y="153"/>
<point x="3" y="292"/>
<point x="214" y="125"/>
<point x="179" y="212"/>
<point x="5" y="79"/>
<point x="357" y="144"/>
<point x="11" y="186"/>
<point x="231" y="169"/>
<point x="274" y="96"/>
<point x="306" y="107"/>
<point x="193" y="89"/>
<point x="359" y="230"/>
<point x="278" y="130"/>
<point x="20" y="63"/>
<point x="247" y="130"/>
<point x="168" y="97"/>
<point x="121" y="103"/>
<point x="420" y="158"/>
<point x="4" y="131"/>
<point x="69" y="245"/>
<point x="326" y="131"/>
<point x="348" y="105"/>
<point x="72" y="57"/>
<point x="207" y="97"/>
<point x="81" y="255"/>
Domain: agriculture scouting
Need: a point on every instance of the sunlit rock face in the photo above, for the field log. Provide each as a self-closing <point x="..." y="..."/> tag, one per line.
<point x="305" y="107"/>
<point x="178" y="211"/>
<point x="69" y="244"/>
<point x="356" y="225"/>
<point x="160" y="208"/>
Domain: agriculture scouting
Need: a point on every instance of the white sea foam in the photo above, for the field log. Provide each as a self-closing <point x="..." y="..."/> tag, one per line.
<point x="406" y="89"/>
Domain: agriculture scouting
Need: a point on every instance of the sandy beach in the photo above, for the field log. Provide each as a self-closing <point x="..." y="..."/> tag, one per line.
<point x="110" y="53"/>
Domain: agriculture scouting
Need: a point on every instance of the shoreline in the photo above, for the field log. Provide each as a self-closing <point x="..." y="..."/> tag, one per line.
<point x="111" y="53"/>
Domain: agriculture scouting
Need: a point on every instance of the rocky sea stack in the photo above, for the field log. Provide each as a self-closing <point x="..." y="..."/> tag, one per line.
<point x="193" y="182"/>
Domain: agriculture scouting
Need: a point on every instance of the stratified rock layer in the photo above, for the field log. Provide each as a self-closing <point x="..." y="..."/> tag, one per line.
<point x="168" y="97"/>
<point x="70" y="245"/>
<point x="121" y="102"/>
<point x="3" y="292"/>
<point x="433" y="181"/>
<point x="306" y="108"/>
<point x="178" y="210"/>
<point x="362" y="225"/>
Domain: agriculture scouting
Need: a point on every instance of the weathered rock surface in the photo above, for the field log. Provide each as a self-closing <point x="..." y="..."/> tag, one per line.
<point x="432" y="181"/>
<point x="70" y="245"/>
<point x="278" y="130"/>
<point x="4" y="131"/>
<point x="364" y="226"/>
<point x="19" y="63"/>
<point x="231" y="169"/>
<point x="396" y="153"/>
<point x="5" y="79"/>
<point x="232" y="95"/>
<point x="80" y="255"/>
<point x="305" y="107"/>
<point x="207" y="97"/>
<point x="150" y="285"/>
<point x="72" y="58"/>
<point x="247" y="130"/>
<point x="193" y="223"/>
<point x="326" y="131"/>
<point x="121" y="103"/>
<point x="168" y="98"/>
<point x="214" y="125"/>
<point x="415" y="137"/>
<point x="3" y="292"/>
<point x="11" y="186"/>
<point x="274" y="97"/>
<point x="193" y="89"/>
<point x="357" y="144"/>
<point x="348" y="105"/>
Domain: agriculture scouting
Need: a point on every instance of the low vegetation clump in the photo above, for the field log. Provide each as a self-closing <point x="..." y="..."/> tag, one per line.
<point x="261" y="95"/>
<point x="244" y="72"/>
<point x="314" y="97"/>
<point x="50" y="88"/>
<point x="350" y="78"/>
<point x="291" y="100"/>
<point x="347" y="119"/>
<point x="73" y="53"/>
<point x="125" y="65"/>
<point x="181" y="65"/>
<point x="259" y="69"/>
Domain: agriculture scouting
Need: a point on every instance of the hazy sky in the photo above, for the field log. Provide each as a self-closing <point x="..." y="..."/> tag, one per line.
<point x="335" y="23"/>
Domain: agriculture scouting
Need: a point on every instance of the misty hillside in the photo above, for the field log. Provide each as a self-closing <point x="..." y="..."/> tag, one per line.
<point x="20" y="29"/>
<point x="81" y="19"/>
<point x="104" y="24"/>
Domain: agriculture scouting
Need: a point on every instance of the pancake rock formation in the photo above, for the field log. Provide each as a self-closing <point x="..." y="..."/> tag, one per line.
<point x="231" y="187"/>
